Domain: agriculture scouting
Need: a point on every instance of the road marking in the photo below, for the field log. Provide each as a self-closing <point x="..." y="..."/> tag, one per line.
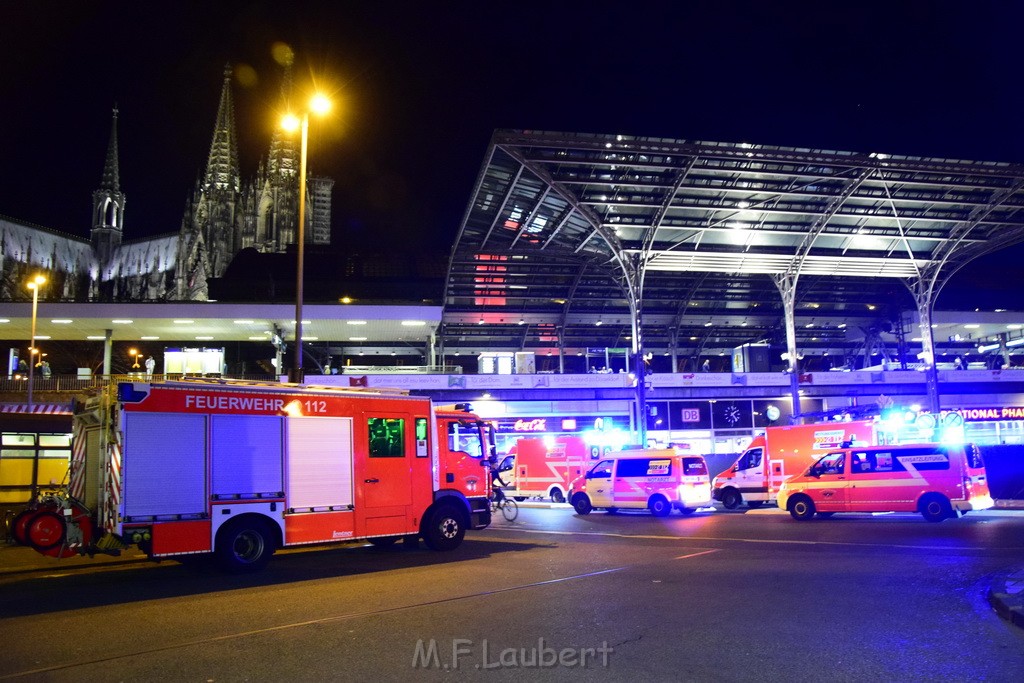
<point x="777" y="541"/>
<point x="300" y="624"/>
<point x="703" y="552"/>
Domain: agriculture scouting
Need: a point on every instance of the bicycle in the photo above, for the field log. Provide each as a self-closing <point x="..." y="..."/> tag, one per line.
<point x="508" y="506"/>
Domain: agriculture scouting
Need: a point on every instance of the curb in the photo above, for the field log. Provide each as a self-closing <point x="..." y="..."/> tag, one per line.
<point x="1006" y="596"/>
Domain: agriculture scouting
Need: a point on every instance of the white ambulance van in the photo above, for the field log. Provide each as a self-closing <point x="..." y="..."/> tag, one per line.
<point x="656" y="479"/>
<point x="937" y="480"/>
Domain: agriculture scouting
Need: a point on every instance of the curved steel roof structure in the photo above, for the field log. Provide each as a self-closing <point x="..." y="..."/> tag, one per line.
<point x="570" y="240"/>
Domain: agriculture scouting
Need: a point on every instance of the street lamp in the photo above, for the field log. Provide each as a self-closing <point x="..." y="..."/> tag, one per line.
<point x="319" y="104"/>
<point x="34" y="285"/>
<point x="137" y="356"/>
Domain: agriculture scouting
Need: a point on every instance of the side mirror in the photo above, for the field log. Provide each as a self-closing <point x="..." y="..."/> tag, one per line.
<point x="736" y="467"/>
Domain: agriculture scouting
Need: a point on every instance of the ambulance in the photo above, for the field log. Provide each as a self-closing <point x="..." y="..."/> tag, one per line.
<point x="544" y="467"/>
<point x="239" y="469"/>
<point x="937" y="480"/>
<point x="781" y="452"/>
<point x="658" y="479"/>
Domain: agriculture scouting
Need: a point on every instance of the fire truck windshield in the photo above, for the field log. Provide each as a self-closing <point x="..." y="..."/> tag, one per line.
<point x="466" y="437"/>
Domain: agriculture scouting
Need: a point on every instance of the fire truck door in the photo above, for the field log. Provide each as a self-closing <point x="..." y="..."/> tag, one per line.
<point x="386" y="479"/>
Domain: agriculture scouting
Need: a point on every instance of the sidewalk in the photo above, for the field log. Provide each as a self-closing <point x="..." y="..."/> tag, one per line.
<point x="1006" y="595"/>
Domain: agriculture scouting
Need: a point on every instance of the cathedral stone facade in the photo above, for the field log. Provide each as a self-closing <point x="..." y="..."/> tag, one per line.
<point x="223" y="215"/>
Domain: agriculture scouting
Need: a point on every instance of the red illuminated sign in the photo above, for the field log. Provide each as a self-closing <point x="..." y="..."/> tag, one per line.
<point x="538" y="424"/>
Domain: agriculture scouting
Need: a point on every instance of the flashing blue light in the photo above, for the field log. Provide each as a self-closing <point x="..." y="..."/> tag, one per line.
<point x="952" y="436"/>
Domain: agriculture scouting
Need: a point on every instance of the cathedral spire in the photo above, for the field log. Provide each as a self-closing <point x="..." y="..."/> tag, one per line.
<point x="111" y="176"/>
<point x="222" y="166"/>
<point x="282" y="161"/>
<point x="108" y="204"/>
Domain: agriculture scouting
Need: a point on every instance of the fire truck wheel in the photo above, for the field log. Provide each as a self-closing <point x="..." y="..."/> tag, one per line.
<point x="46" y="530"/>
<point x="659" y="505"/>
<point x="581" y="503"/>
<point x="801" y="508"/>
<point x="556" y="496"/>
<point x="244" y="545"/>
<point x="19" y="527"/>
<point x="935" y="508"/>
<point x="754" y="504"/>
<point x="731" y="499"/>
<point x="445" y="530"/>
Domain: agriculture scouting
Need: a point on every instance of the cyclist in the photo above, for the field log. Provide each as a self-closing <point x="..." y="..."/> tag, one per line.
<point x="496" y="484"/>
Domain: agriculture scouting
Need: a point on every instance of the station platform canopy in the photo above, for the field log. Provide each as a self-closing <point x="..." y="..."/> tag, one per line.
<point x="579" y="240"/>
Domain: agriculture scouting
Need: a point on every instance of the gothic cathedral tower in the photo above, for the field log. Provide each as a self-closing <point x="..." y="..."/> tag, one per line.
<point x="108" y="206"/>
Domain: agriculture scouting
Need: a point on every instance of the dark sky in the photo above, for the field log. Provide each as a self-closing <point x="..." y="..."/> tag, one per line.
<point x="424" y="84"/>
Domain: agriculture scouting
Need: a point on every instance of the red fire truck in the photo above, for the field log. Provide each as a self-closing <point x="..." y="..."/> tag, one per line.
<point x="240" y="469"/>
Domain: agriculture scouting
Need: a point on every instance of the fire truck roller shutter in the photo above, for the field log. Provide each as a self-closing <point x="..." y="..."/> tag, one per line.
<point x="319" y="462"/>
<point x="161" y="448"/>
<point x="246" y="456"/>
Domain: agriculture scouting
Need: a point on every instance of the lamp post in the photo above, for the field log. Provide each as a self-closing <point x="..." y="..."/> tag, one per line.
<point x="319" y="105"/>
<point x="135" y="353"/>
<point x="34" y="285"/>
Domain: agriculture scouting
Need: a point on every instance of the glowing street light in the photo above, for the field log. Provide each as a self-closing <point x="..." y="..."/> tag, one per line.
<point x="319" y="104"/>
<point x="34" y="284"/>
<point x="135" y="353"/>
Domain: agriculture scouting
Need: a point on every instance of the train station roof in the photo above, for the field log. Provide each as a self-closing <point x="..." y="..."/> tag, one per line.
<point x="564" y="231"/>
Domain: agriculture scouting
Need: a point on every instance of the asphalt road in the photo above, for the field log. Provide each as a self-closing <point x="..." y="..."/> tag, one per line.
<point x="713" y="597"/>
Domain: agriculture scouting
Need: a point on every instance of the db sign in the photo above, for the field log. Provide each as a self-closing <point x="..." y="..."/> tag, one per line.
<point x="689" y="414"/>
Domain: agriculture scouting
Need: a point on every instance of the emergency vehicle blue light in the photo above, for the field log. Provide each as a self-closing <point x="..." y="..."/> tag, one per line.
<point x="953" y="435"/>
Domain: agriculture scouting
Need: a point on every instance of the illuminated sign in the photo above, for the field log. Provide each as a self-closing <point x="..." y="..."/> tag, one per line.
<point x="689" y="415"/>
<point x="553" y="424"/>
<point x="538" y="424"/>
<point x="992" y="414"/>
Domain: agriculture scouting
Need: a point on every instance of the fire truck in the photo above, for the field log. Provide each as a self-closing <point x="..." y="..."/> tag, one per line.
<point x="783" y="452"/>
<point x="545" y="467"/>
<point x="239" y="469"/>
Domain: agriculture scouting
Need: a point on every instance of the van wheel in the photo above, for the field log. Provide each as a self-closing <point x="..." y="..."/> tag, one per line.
<point x="754" y="504"/>
<point x="935" y="508"/>
<point x="731" y="499"/>
<point x="801" y="508"/>
<point x="581" y="504"/>
<point x="445" y="530"/>
<point x="660" y="507"/>
<point x="244" y="546"/>
<point x="556" y="496"/>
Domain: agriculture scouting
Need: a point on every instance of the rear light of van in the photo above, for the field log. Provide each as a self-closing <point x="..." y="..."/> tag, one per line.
<point x="694" y="493"/>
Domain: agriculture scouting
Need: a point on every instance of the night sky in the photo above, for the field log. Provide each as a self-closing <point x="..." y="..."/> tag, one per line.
<point x="423" y="85"/>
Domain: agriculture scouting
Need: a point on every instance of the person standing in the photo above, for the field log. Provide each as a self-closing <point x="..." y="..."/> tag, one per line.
<point x="150" y="367"/>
